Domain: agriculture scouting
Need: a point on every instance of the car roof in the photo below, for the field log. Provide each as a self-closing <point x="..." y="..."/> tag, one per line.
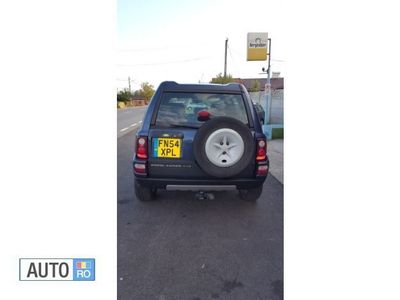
<point x="172" y="86"/>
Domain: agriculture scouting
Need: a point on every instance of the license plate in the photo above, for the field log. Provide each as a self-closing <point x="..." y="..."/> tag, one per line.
<point x="167" y="147"/>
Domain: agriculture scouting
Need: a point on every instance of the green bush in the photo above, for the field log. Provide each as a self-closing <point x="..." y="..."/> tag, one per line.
<point x="277" y="133"/>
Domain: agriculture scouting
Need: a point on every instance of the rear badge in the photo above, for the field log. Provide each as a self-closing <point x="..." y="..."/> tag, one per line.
<point x="170" y="166"/>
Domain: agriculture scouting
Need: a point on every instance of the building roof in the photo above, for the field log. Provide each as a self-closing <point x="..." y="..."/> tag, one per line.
<point x="276" y="83"/>
<point x="138" y="97"/>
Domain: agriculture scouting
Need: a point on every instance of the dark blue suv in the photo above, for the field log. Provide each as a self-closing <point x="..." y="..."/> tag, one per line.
<point x="200" y="137"/>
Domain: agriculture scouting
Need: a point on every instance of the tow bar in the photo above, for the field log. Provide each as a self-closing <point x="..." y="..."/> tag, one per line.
<point x="204" y="196"/>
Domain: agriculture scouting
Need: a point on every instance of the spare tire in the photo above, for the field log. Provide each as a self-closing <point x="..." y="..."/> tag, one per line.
<point x="223" y="147"/>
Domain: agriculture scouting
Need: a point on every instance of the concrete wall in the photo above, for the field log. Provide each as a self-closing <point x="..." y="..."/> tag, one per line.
<point x="276" y="105"/>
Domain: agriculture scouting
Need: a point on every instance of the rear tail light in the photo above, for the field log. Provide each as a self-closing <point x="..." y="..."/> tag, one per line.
<point x="262" y="170"/>
<point x="141" y="147"/>
<point x="140" y="168"/>
<point x="261" y="150"/>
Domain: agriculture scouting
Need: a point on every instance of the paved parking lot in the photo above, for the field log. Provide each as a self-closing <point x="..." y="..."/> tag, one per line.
<point x="179" y="247"/>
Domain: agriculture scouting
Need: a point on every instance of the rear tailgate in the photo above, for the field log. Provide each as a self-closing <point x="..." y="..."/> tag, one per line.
<point x="173" y="129"/>
<point x="171" y="155"/>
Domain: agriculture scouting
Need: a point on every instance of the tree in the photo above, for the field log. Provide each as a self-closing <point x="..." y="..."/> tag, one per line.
<point x="220" y="79"/>
<point x="124" y="96"/>
<point x="255" y="87"/>
<point x="146" y="91"/>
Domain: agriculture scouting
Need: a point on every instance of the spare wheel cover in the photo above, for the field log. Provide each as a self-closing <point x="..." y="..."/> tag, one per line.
<point x="223" y="147"/>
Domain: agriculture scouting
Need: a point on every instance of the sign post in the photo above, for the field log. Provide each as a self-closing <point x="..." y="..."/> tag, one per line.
<point x="257" y="46"/>
<point x="259" y="49"/>
<point x="268" y="93"/>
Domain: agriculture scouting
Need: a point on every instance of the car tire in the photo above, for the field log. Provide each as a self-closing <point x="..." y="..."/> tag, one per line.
<point x="251" y="195"/>
<point x="223" y="147"/>
<point x="145" y="193"/>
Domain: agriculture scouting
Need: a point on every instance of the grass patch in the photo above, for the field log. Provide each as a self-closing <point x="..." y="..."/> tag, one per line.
<point x="277" y="133"/>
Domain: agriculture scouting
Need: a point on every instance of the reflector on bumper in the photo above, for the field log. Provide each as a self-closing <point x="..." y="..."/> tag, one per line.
<point x="262" y="170"/>
<point x="140" y="168"/>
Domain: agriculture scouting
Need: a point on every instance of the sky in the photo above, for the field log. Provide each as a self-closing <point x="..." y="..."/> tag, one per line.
<point x="184" y="41"/>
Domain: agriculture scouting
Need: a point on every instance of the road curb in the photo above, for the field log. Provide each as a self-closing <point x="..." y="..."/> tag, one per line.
<point x="275" y="155"/>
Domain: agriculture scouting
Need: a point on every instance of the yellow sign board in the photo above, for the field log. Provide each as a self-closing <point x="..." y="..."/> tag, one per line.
<point x="257" y="46"/>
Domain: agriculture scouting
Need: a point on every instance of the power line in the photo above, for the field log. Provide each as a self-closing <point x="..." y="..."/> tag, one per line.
<point x="143" y="49"/>
<point x="226" y="48"/>
<point x="233" y="60"/>
<point x="164" y="63"/>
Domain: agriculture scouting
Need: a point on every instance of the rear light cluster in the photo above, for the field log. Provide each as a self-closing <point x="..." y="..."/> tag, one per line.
<point x="261" y="155"/>
<point x="262" y="170"/>
<point x="261" y="150"/>
<point x="140" y="168"/>
<point x="141" y="153"/>
<point x="141" y="147"/>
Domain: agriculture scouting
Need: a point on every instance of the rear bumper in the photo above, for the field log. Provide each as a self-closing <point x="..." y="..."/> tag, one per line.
<point x="198" y="184"/>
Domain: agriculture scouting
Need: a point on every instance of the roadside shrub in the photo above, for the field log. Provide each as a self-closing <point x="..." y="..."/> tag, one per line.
<point x="277" y="133"/>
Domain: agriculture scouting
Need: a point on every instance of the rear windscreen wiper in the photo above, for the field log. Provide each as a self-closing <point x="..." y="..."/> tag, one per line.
<point x="184" y="125"/>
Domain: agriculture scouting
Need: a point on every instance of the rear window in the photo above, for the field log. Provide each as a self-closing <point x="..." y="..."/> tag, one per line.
<point x="182" y="108"/>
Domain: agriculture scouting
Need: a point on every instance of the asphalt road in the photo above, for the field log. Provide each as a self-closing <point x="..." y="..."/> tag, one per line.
<point x="129" y="119"/>
<point x="179" y="247"/>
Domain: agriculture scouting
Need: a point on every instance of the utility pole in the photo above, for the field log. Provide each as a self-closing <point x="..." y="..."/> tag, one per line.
<point x="129" y="83"/>
<point x="269" y="82"/>
<point x="226" y="49"/>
